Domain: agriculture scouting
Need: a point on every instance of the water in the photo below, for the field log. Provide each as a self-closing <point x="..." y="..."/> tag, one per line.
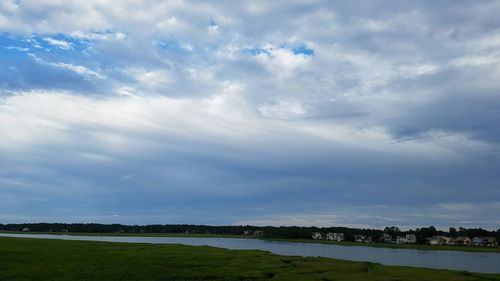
<point x="454" y="260"/>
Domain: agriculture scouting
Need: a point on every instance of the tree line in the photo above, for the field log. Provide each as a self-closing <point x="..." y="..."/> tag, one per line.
<point x="283" y="232"/>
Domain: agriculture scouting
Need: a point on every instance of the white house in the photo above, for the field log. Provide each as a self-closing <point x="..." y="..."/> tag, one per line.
<point x="362" y="239"/>
<point x="484" y="241"/>
<point x="258" y="233"/>
<point x="386" y="238"/>
<point x="26" y="229"/>
<point x="401" y="239"/>
<point x="317" y="236"/>
<point x="335" y="236"/>
<point x="411" y="238"/>
<point x="439" y="240"/>
<point x="462" y="240"/>
<point x="359" y="238"/>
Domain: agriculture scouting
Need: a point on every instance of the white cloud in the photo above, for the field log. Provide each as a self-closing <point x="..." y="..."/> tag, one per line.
<point x="65" y="45"/>
<point x="281" y="62"/>
<point x="82" y="70"/>
<point x="283" y="109"/>
<point x="150" y="78"/>
<point x="17" y="48"/>
<point x="413" y="71"/>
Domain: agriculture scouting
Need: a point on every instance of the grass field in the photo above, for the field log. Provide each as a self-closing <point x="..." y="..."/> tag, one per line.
<point x="343" y="243"/>
<point x="40" y="259"/>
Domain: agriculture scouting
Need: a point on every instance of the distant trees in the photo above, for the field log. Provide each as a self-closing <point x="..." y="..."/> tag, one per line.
<point x="286" y="232"/>
<point x="453" y="232"/>
<point x="393" y="230"/>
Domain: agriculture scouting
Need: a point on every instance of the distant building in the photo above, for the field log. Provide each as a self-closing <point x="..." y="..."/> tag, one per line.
<point x="462" y="241"/>
<point x="484" y="241"/>
<point x="439" y="240"/>
<point x="258" y="233"/>
<point x="335" y="236"/>
<point x="317" y="236"/>
<point x="26" y="229"/>
<point x="362" y="239"/>
<point x="401" y="240"/>
<point x="411" y="238"/>
<point x="386" y="238"/>
<point x="247" y="232"/>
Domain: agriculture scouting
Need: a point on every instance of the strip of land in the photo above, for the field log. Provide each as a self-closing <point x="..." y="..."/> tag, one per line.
<point x="45" y="259"/>
<point x="343" y="243"/>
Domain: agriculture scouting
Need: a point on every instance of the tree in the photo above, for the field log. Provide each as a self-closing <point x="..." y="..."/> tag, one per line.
<point x="393" y="230"/>
<point x="453" y="232"/>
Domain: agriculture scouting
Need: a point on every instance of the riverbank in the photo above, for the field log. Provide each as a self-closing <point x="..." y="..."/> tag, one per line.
<point x="396" y="246"/>
<point x="44" y="259"/>
<point x="342" y="243"/>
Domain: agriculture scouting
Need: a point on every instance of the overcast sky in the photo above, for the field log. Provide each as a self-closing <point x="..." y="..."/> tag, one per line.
<point x="326" y="113"/>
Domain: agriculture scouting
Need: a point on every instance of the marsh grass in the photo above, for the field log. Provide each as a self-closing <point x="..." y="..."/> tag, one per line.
<point x="43" y="259"/>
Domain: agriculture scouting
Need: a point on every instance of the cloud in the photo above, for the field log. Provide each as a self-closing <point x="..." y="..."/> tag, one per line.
<point x="260" y="112"/>
<point x="59" y="43"/>
<point x="413" y="71"/>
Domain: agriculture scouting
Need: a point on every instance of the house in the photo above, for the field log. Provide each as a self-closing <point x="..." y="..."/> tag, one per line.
<point x="484" y="241"/>
<point x="462" y="241"/>
<point x="411" y="238"/>
<point x="317" y="236"/>
<point x="26" y="229"/>
<point x="439" y="240"/>
<point x="359" y="238"/>
<point x="335" y="236"/>
<point x="401" y="240"/>
<point x="247" y="232"/>
<point x="258" y="233"/>
<point x="362" y="239"/>
<point x="386" y="238"/>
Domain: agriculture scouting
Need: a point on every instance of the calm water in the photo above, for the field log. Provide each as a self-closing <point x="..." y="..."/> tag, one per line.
<point x="455" y="260"/>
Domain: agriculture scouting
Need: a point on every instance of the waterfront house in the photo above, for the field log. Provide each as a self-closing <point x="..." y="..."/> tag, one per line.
<point x="386" y="238"/>
<point x="359" y="238"/>
<point x="26" y="229"/>
<point x="411" y="238"/>
<point x="362" y="239"/>
<point x="462" y="241"/>
<point x="317" y="236"/>
<point x="484" y="241"/>
<point x="401" y="240"/>
<point x="439" y="240"/>
<point x="258" y="233"/>
<point x="335" y="236"/>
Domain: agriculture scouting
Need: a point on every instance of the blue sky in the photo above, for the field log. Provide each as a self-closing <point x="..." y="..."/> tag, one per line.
<point x="326" y="113"/>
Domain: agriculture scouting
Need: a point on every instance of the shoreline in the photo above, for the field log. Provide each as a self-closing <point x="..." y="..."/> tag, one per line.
<point x="343" y="243"/>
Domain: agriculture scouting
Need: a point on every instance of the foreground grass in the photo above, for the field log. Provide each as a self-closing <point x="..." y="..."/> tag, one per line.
<point x="40" y="259"/>
<point x="343" y="243"/>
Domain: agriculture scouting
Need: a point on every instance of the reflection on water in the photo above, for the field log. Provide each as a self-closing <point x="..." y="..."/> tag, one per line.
<point x="455" y="260"/>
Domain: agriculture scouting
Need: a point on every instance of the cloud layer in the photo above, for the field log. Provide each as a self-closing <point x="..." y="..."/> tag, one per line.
<point x="304" y="112"/>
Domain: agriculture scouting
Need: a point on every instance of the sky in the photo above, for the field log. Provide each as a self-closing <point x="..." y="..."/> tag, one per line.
<point x="324" y="113"/>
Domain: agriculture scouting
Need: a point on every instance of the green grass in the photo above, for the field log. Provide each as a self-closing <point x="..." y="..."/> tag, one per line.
<point x="41" y="259"/>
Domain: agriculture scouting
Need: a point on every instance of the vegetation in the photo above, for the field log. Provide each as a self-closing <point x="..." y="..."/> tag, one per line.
<point x="283" y="232"/>
<point x="40" y="259"/>
<point x="291" y="234"/>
